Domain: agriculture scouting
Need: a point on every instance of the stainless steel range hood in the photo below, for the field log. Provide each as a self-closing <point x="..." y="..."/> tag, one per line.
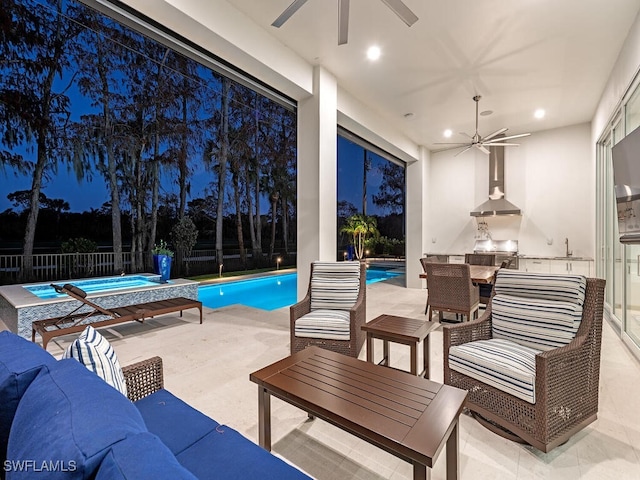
<point x="497" y="204"/>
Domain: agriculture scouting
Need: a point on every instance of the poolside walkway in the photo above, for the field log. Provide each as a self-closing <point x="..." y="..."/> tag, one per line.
<point x="208" y="366"/>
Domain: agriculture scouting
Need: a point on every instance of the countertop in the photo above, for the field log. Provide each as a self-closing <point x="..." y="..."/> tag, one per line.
<point x="524" y="257"/>
<point x="540" y="257"/>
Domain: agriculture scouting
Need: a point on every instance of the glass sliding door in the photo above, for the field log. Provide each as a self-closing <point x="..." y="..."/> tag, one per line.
<point x="632" y="324"/>
<point x="632" y="256"/>
<point x="616" y="246"/>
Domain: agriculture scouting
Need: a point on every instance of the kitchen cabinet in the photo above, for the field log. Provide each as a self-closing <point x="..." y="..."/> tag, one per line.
<point x="576" y="267"/>
<point x="537" y="265"/>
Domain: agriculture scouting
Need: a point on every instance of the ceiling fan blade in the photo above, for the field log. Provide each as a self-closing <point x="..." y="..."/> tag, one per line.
<point x="399" y="8"/>
<point x="290" y="10"/>
<point x="466" y="135"/>
<point x="513" y="136"/>
<point x="482" y="148"/>
<point x="497" y="132"/>
<point x="462" y="151"/>
<point x="451" y="143"/>
<point x="499" y="144"/>
<point x="343" y="21"/>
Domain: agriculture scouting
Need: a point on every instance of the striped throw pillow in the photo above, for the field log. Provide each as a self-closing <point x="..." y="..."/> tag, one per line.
<point x="539" y="324"/>
<point x="564" y="288"/>
<point x="96" y="353"/>
<point x="334" y="285"/>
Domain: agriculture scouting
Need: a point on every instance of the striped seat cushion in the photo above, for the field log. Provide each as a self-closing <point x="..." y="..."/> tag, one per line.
<point x="329" y="324"/>
<point x="564" y="288"/>
<point x="503" y="364"/>
<point x="334" y="285"/>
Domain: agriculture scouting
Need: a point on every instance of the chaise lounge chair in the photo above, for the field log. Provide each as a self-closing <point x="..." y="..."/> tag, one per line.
<point x="76" y="320"/>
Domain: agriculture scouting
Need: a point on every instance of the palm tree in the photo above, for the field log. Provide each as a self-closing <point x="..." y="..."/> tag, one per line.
<point x="360" y="227"/>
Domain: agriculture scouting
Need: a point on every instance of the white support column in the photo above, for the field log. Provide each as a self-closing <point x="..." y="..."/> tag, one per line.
<point x="416" y="175"/>
<point x="317" y="175"/>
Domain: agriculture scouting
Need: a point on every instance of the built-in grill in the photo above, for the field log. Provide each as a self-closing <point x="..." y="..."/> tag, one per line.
<point x="503" y="249"/>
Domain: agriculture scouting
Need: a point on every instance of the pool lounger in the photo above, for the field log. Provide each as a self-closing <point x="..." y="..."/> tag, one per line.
<point x="75" y="321"/>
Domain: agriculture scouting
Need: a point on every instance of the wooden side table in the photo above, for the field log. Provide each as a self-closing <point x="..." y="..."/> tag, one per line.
<point x="407" y="331"/>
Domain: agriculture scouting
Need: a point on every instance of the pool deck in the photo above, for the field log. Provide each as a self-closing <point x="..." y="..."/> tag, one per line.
<point x="19" y="307"/>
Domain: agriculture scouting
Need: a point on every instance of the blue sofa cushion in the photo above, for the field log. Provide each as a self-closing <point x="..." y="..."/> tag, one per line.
<point x="177" y="424"/>
<point x="69" y="414"/>
<point x="234" y="457"/>
<point x="139" y="457"/>
<point x="20" y="363"/>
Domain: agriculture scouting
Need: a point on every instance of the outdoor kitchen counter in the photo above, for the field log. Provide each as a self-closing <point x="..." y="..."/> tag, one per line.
<point x="546" y="257"/>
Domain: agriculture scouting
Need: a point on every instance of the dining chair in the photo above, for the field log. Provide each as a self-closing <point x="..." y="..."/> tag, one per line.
<point x="486" y="259"/>
<point x="450" y="289"/>
<point x="423" y="262"/>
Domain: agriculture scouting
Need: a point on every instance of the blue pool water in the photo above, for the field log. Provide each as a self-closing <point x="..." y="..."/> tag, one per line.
<point x="94" y="285"/>
<point x="267" y="293"/>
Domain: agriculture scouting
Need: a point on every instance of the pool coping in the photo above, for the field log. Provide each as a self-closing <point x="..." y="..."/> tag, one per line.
<point x="249" y="276"/>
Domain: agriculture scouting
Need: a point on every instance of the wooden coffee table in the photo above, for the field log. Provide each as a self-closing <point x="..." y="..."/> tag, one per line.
<point x="408" y="416"/>
<point x="407" y="331"/>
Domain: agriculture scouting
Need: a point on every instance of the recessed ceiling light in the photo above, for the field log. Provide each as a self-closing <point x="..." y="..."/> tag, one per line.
<point x="447" y="133"/>
<point x="539" y="113"/>
<point x="373" y="53"/>
<point x="486" y="113"/>
<point x="408" y="115"/>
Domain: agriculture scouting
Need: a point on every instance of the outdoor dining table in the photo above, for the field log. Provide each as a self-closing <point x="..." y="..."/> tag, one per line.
<point x="479" y="273"/>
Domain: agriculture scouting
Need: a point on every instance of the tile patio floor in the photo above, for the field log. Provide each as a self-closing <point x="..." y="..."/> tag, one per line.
<point x="208" y="366"/>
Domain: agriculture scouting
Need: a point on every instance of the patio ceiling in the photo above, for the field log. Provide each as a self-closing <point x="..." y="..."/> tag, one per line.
<point x="519" y="55"/>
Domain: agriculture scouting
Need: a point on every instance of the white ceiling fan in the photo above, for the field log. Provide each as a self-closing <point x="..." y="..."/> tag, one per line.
<point x="481" y="143"/>
<point x="397" y="6"/>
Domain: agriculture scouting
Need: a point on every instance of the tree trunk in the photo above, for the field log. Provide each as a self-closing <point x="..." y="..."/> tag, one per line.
<point x="36" y="184"/>
<point x="285" y="225"/>
<point x="182" y="163"/>
<point x="236" y="197"/>
<point x="26" y="273"/>
<point x="222" y="168"/>
<point x="252" y="230"/>
<point x="274" y="217"/>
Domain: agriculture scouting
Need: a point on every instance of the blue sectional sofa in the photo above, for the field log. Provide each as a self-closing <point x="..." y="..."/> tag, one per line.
<point x="59" y="420"/>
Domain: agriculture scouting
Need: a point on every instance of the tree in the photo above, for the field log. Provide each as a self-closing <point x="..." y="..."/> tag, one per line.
<point x="390" y="196"/>
<point x="37" y="43"/>
<point x="360" y="227"/>
<point x="184" y="236"/>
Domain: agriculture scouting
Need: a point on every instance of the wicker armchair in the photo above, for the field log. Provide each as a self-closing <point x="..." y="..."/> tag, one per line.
<point x="565" y="383"/>
<point x="357" y="317"/>
<point x="486" y="259"/>
<point x="143" y="378"/>
<point x="449" y="289"/>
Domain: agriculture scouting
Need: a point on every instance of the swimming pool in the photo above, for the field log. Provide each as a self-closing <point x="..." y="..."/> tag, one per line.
<point x="268" y="293"/>
<point x="96" y="285"/>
